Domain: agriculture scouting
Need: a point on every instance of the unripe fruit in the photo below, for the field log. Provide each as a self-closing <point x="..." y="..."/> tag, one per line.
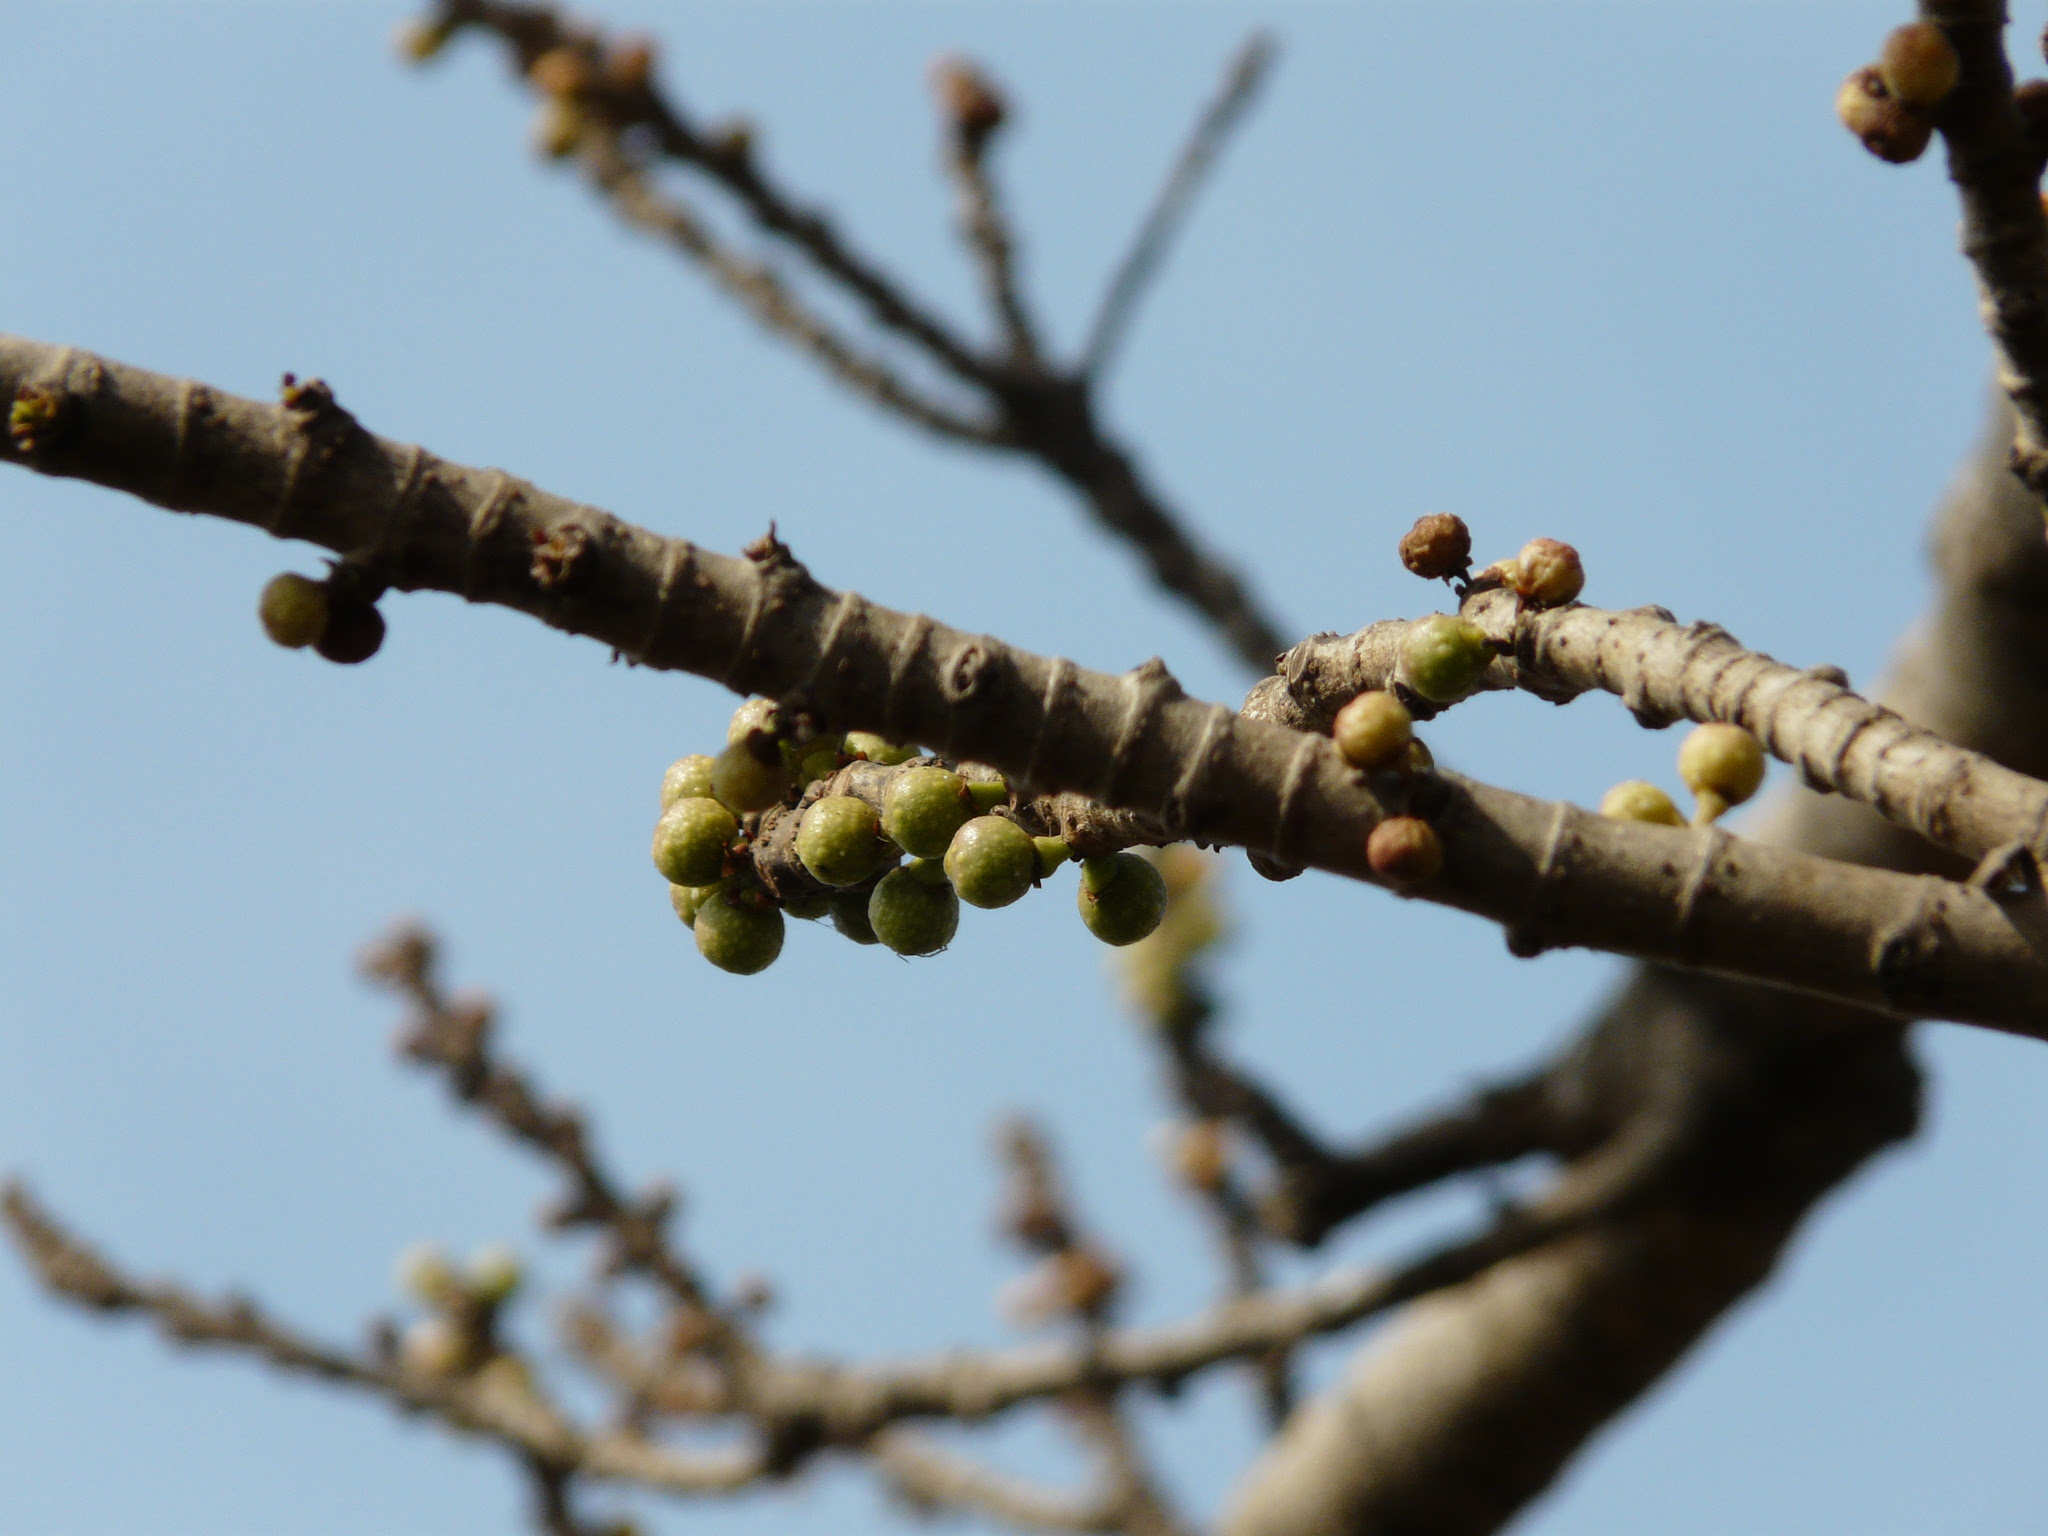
<point x="494" y="1273"/>
<point x="815" y="759"/>
<point x="742" y="782"/>
<point x="1122" y="898"/>
<point x="688" y="900"/>
<point x="294" y="610"/>
<point x="877" y="750"/>
<point x="1919" y="64"/>
<point x="849" y="910"/>
<point x="741" y="938"/>
<point x="1439" y="545"/>
<point x="1405" y="850"/>
<point x="691" y="839"/>
<point x="911" y="917"/>
<point x="1443" y="656"/>
<point x="1639" y="800"/>
<point x="923" y="808"/>
<point x="754" y="715"/>
<point x="806" y="905"/>
<point x="688" y="778"/>
<point x="1722" y="765"/>
<point x="1548" y="573"/>
<point x="1889" y="128"/>
<point x="433" y="1346"/>
<point x="425" y="1274"/>
<point x="1373" y="731"/>
<point x="991" y="862"/>
<point x="840" y="840"/>
<point x="1052" y="853"/>
<point x="355" y="630"/>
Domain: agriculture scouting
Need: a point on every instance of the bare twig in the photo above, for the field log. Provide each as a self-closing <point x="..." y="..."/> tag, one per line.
<point x="930" y="1478"/>
<point x="1248" y="70"/>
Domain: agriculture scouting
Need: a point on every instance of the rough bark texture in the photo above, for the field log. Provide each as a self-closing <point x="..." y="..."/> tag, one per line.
<point x="1473" y="1400"/>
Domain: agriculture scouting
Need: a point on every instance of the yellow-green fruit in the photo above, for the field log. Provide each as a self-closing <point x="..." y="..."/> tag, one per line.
<point x="849" y="910"/>
<point x="742" y="782"/>
<point x="294" y="610"/>
<point x="688" y="900"/>
<point x="691" y="839"/>
<point x="494" y="1273"/>
<point x="922" y="809"/>
<point x="434" y="1346"/>
<point x="876" y="749"/>
<point x="1443" y="656"/>
<point x="1723" y="760"/>
<point x="1548" y="573"/>
<point x="911" y="916"/>
<point x="1919" y="64"/>
<point x="991" y="862"/>
<point x="740" y="937"/>
<point x="806" y="905"/>
<point x="754" y="715"/>
<point x="1640" y="800"/>
<point x="688" y="778"/>
<point x="1373" y="731"/>
<point x="1122" y="897"/>
<point x="840" y="840"/>
<point x="1405" y="850"/>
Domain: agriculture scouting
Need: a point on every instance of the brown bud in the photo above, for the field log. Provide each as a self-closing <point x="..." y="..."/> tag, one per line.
<point x="1439" y="545"/>
<point x="1085" y="1280"/>
<point x="1889" y="128"/>
<point x="560" y="72"/>
<point x="1548" y="573"/>
<point x="1919" y="64"/>
<point x="1405" y="850"/>
<point x="973" y="107"/>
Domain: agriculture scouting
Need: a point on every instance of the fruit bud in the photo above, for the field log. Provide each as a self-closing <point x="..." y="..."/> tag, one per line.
<point x="1443" y="656"/>
<point x="688" y="900"/>
<point x="912" y="917"/>
<point x="1122" y="898"/>
<point x="754" y="715"/>
<point x="922" y="809"/>
<point x="1419" y="760"/>
<point x="1918" y="64"/>
<point x="991" y="862"/>
<point x="294" y="610"/>
<point x="560" y="72"/>
<point x="688" y="778"/>
<point x="742" y="937"/>
<point x="1889" y="128"/>
<point x="840" y="841"/>
<point x="434" y="1346"/>
<point x="973" y="108"/>
<point x="1200" y="1154"/>
<point x="742" y="782"/>
<point x="1404" y="851"/>
<point x="425" y="1274"/>
<point x="1722" y="765"/>
<point x="691" y="839"/>
<point x="1439" y="545"/>
<point x="354" y="632"/>
<point x="1373" y="731"/>
<point x="877" y="750"/>
<point x="1548" y="573"/>
<point x="494" y="1273"/>
<point x="849" y="913"/>
<point x="557" y="129"/>
<point x="1640" y="800"/>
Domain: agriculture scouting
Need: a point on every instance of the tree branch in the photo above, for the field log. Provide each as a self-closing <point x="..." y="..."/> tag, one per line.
<point x="1912" y="946"/>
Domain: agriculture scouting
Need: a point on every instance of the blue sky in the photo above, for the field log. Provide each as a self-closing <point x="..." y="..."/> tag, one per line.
<point x="1607" y="273"/>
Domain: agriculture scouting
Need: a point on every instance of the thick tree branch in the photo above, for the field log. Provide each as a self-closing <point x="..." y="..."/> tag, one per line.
<point x="1912" y="946"/>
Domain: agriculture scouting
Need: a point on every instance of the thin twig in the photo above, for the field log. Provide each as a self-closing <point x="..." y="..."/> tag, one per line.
<point x="1248" y="70"/>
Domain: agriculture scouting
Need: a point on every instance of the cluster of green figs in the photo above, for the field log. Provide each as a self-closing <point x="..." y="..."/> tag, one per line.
<point x="887" y="858"/>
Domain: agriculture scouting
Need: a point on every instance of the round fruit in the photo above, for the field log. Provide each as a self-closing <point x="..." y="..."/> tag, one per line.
<point x="1443" y="656"/>
<point x="738" y="937"/>
<point x="294" y="610"/>
<point x="1919" y="64"/>
<point x="425" y="1274"/>
<point x="1122" y="897"/>
<point x="991" y="862"/>
<point x="690" y="841"/>
<point x="1438" y="545"/>
<point x="840" y="840"/>
<point x="688" y="900"/>
<point x="742" y="782"/>
<point x="849" y="911"/>
<point x="1405" y="850"/>
<point x="1721" y="759"/>
<point x="494" y="1273"/>
<point x="807" y="905"/>
<point x="877" y="750"/>
<point x="688" y="778"/>
<point x="814" y="760"/>
<point x="1548" y="573"/>
<point x="923" y="808"/>
<point x="1639" y="800"/>
<point x="912" y="917"/>
<point x="754" y="715"/>
<point x="353" y="634"/>
<point x="1373" y="731"/>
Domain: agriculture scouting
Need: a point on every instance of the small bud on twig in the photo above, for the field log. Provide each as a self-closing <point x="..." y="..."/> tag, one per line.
<point x="1437" y="547"/>
<point x="1405" y="851"/>
<point x="1889" y="129"/>
<point x="974" y="109"/>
